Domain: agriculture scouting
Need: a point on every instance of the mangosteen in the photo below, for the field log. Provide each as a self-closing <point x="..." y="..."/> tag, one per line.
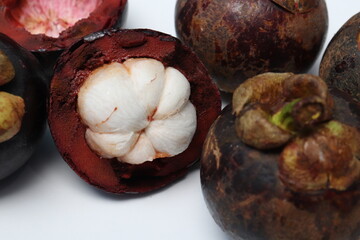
<point x="238" y="39"/>
<point x="22" y="105"/>
<point x="276" y="164"/>
<point x="340" y="65"/>
<point x="129" y="109"/>
<point x="47" y="27"/>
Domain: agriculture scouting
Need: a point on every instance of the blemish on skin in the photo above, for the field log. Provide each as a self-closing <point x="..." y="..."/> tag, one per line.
<point x="212" y="149"/>
<point x="213" y="145"/>
<point x="217" y="155"/>
<point x="204" y="5"/>
<point x="345" y="64"/>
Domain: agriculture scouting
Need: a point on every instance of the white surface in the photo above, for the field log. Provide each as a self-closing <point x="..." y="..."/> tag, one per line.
<point x="47" y="200"/>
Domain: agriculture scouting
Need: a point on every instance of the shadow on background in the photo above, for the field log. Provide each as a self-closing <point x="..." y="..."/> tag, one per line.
<point x="129" y="196"/>
<point x="44" y="157"/>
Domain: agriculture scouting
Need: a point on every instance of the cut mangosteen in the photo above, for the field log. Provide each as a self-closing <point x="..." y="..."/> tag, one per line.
<point x="129" y="109"/>
<point x="47" y="27"/>
<point x="237" y="40"/>
<point x="41" y="25"/>
<point x="22" y="105"/>
<point x="303" y="186"/>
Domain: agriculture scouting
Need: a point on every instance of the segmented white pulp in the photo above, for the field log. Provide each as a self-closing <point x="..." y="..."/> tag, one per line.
<point x="52" y="17"/>
<point x="137" y="111"/>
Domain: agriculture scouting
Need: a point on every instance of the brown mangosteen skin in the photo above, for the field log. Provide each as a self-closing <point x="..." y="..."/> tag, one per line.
<point x="347" y="110"/>
<point x="29" y="83"/>
<point x="245" y="196"/>
<point x="340" y="65"/>
<point x="118" y="45"/>
<point x="237" y="39"/>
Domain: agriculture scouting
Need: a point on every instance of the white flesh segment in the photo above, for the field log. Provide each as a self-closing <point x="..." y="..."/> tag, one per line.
<point x="108" y="145"/>
<point x="143" y="151"/>
<point x="118" y="101"/>
<point x="174" y="134"/>
<point x="52" y="17"/>
<point x="148" y="76"/>
<point x="175" y="94"/>
<point x="107" y="101"/>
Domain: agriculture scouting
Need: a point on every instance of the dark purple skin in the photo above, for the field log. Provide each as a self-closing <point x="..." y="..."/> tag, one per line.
<point x="30" y="84"/>
<point x="347" y="109"/>
<point x="246" y="198"/>
<point x="237" y="39"/>
<point x="340" y="66"/>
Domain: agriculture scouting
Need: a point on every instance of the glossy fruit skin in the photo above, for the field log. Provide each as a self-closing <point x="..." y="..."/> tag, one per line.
<point x="246" y="198"/>
<point x="340" y="65"/>
<point x="29" y="83"/>
<point x="237" y="40"/>
<point x="118" y="45"/>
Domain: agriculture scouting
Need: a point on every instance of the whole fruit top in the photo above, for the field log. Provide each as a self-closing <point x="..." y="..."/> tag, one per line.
<point x="279" y="164"/>
<point x="240" y="39"/>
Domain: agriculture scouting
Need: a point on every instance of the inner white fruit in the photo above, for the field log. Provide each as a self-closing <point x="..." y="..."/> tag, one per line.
<point x="137" y="111"/>
<point x="51" y="17"/>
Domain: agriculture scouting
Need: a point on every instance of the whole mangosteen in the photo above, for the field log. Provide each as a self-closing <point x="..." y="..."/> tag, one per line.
<point x="277" y="165"/>
<point x="22" y="105"/>
<point x="340" y="66"/>
<point x="129" y="109"/>
<point x="238" y="39"/>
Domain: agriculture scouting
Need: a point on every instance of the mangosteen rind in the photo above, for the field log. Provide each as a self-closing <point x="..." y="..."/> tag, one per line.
<point x="238" y="40"/>
<point x="116" y="46"/>
<point x="246" y="198"/>
<point x="308" y="188"/>
<point x="340" y="64"/>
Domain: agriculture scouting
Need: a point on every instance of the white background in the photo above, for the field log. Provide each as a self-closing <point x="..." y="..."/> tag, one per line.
<point x="47" y="200"/>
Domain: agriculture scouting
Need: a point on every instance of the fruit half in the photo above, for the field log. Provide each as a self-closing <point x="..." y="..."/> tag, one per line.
<point x="129" y="109"/>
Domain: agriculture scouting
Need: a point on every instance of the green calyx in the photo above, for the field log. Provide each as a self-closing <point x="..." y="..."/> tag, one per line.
<point x="7" y="71"/>
<point x="283" y="118"/>
<point x="336" y="128"/>
<point x="12" y="110"/>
